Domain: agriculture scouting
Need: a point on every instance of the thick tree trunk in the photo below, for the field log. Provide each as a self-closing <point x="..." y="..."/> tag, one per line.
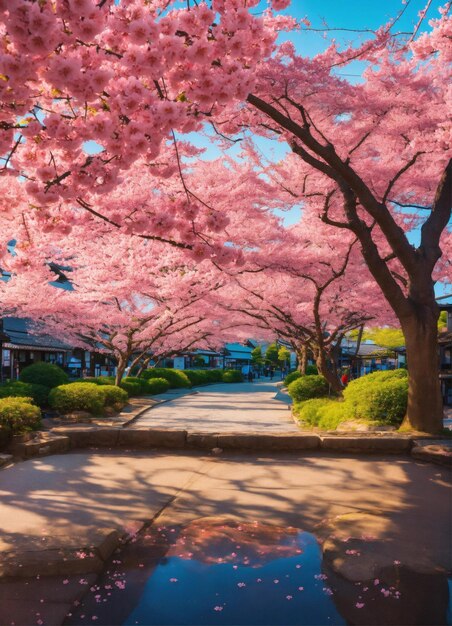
<point x="302" y="356"/>
<point x="121" y="368"/>
<point x="327" y="371"/>
<point x="425" y="406"/>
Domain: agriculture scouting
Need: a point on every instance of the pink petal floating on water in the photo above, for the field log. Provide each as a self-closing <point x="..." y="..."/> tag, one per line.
<point x="300" y="588"/>
<point x="173" y="580"/>
<point x="65" y="581"/>
<point x="359" y="605"/>
<point x="259" y="580"/>
<point x="241" y="584"/>
<point x="298" y="566"/>
<point x="289" y="597"/>
<point x="396" y="562"/>
<point x="234" y="566"/>
<point x="217" y="608"/>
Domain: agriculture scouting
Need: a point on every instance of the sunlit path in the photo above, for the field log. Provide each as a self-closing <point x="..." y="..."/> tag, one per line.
<point x="242" y="407"/>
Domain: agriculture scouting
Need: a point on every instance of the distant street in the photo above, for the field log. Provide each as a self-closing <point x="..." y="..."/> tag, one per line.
<point x="238" y="407"/>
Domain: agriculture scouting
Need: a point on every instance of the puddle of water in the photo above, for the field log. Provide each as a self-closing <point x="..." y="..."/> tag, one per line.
<point x="238" y="574"/>
<point x="248" y="574"/>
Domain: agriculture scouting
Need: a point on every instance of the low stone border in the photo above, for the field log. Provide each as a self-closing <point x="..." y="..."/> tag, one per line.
<point x="62" y="557"/>
<point x="64" y="438"/>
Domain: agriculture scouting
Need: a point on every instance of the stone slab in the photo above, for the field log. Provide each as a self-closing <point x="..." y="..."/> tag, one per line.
<point x="86" y="436"/>
<point x="202" y="441"/>
<point x="366" y="445"/>
<point x="44" y="443"/>
<point x="260" y="441"/>
<point x="152" y="438"/>
<point x="60" y="555"/>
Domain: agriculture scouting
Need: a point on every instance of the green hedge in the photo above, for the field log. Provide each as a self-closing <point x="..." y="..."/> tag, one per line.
<point x="44" y="374"/>
<point x="18" y="389"/>
<point x="381" y="396"/>
<point x="176" y="378"/>
<point x="291" y="377"/>
<point x="197" y="377"/>
<point x="214" y="376"/>
<point x="307" y="387"/>
<point x="18" y="415"/>
<point x="78" y="397"/>
<point x="114" y="396"/>
<point x="378" y="398"/>
<point x="311" y="370"/>
<point x="156" y="385"/>
<point x="232" y="376"/>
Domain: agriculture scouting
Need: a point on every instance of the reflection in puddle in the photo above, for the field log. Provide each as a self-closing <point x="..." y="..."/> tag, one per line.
<point x="221" y="572"/>
<point x="237" y="574"/>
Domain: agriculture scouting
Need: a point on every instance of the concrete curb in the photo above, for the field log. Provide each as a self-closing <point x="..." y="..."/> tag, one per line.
<point x="63" y="559"/>
<point x="146" y="438"/>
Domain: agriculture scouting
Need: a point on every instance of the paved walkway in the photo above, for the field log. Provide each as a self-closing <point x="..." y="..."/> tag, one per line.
<point x="66" y="494"/>
<point x="240" y="408"/>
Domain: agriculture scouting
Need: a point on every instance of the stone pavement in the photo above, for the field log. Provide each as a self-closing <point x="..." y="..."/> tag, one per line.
<point x="398" y="501"/>
<point x="243" y="408"/>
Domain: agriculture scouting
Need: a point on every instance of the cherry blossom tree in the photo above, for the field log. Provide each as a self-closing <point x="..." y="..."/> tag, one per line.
<point x="89" y="91"/>
<point x="363" y="157"/>
<point x="130" y="303"/>
<point x="313" y="290"/>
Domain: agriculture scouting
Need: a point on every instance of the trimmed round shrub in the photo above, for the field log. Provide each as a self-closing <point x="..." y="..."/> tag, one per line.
<point x="232" y="376"/>
<point x="114" y="396"/>
<point x="176" y="378"/>
<point x="18" y="415"/>
<point x="45" y="374"/>
<point x="291" y="377"/>
<point x="307" y="387"/>
<point x="77" y="397"/>
<point x="139" y="381"/>
<point x="18" y="389"/>
<point x="132" y="388"/>
<point x="157" y="385"/>
<point x="381" y="396"/>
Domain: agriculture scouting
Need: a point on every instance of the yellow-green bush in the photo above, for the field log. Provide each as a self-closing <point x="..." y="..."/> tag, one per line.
<point x="307" y="387"/>
<point x="19" y="415"/>
<point x="78" y="397"/>
<point x="114" y="396"/>
<point x="308" y="411"/>
<point x="381" y="396"/>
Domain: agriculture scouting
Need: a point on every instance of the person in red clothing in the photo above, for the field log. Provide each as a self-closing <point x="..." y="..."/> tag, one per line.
<point x="344" y="378"/>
